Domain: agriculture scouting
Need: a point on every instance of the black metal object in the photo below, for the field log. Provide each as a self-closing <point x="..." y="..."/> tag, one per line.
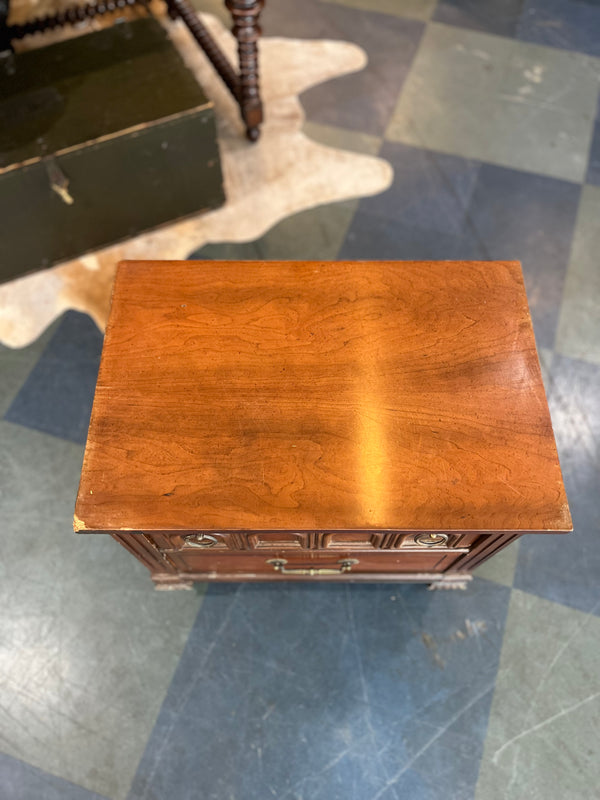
<point x="243" y="85"/>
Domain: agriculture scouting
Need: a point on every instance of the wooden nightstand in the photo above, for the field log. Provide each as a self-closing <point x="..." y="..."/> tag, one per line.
<point x="366" y="421"/>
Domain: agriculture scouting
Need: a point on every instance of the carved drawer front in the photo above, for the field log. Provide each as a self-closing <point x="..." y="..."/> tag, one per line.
<point x="354" y="540"/>
<point x="329" y="564"/>
<point x="431" y="540"/>
<point x="179" y="549"/>
<point x="173" y="547"/>
<point x="203" y="540"/>
<point x="277" y="540"/>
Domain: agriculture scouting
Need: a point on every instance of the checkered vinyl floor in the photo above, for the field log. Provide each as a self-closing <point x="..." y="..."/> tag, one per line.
<point x="488" y="112"/>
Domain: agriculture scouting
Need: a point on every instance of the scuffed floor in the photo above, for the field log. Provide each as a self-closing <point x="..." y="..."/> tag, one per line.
<point x="488" y="113"/>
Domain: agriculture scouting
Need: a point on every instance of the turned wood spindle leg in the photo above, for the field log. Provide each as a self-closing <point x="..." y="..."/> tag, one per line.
<point x="247" y="31"/>
<point x="183" y="9"/>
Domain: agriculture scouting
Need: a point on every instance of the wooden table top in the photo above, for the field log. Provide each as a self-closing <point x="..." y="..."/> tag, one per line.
<point x="320" y="396"/>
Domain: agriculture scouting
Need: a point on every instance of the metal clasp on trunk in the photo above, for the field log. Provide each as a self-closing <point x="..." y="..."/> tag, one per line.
<point x="59" y="182"/>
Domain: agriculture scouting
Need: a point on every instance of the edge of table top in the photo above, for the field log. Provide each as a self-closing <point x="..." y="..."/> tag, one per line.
<point x="127" y="270"/>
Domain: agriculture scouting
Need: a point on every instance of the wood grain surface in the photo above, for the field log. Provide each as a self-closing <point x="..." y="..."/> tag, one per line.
<point x="320" y="396"/>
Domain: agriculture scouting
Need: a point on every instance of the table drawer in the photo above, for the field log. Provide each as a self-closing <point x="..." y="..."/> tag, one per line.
<point x="288" y="564"/>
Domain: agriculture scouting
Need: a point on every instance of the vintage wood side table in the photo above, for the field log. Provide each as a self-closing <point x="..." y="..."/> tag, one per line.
<point x="366" y="421"/>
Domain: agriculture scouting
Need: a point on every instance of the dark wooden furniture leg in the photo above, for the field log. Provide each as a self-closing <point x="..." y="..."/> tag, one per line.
<point x="181" y="8"/>
<point x="247" y="31"/>
<point x="4" y="36"/>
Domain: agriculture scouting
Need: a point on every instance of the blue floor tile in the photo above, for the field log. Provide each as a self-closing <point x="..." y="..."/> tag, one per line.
<point x="492" y="16"/>
<point x="20" y="781"/>
<point x="363" y="101"/>
<point x="57" y="396"/>
<point x="423" y="215"/>
<point x="566" y="569"/>
<point x="568" y="24"/>
<point x="430" y="192"/>
<point x="329" y="691"/>
<point x="371" y="237"/>
<point x="529" y="218"/>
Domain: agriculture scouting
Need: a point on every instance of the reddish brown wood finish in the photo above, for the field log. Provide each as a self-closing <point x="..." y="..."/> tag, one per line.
<point x="258" y="564"/>
<point x="343" y="405"/>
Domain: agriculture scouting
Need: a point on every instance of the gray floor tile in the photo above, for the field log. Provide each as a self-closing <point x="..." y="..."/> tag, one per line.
<point x="329" y="692"/>
<point x="500" y="101"/>
<point x="542" y="733"/>
<point x="578" y="333"/>
<point x="20" y="781"/>
<point x="88" y="647"/>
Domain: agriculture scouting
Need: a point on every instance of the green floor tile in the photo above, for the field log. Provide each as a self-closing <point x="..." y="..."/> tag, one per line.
<point x="500" y="101"/>
<point x="546" y="357"/>
<point x="501" y="567"/>
<point x="543" y="727"/>
<point x="414" y="9"/>
<point x="315" y="234"/>
<point x="578" y="333"/>
<point x="311" y="235"/>
<point x="342" y="138"/>
<point x="87" y="646"/>
<point x="16" y="364"/>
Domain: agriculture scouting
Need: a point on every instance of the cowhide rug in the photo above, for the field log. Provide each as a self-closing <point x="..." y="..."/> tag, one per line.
<point x="282" y="174"/>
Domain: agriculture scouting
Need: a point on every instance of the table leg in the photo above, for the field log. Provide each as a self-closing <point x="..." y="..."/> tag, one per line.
<point x="247" y="31"/>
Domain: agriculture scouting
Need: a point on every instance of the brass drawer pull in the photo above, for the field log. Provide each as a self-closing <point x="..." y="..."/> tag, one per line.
<point x="279" y="566"/>
<point x="200" y="540"/>
<point x="431" y="539"/>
